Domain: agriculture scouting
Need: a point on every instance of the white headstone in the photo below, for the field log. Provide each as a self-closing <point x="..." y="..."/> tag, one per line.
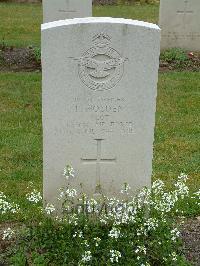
<point x="66" y="9"/>
<point x="99" y="102"/>
<point x="180" y="24"/>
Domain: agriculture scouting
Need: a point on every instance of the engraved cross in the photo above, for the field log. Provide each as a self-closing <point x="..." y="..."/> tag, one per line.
<point x="185" y="11"/>
<point x="98" y="161"/>
<point x="67" y="10"/>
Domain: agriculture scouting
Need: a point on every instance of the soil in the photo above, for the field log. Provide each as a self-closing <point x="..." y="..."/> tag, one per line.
<point x="191" y="238"/>
<point x="18" y="59"/>
<point x="24" y="59"/>
<point x="191" y="64"/>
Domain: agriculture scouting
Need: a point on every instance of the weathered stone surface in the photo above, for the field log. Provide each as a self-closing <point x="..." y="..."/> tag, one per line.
<point x="180" y="24"/>
<point x="99" y="101"/>
<point x="66" y="9"/>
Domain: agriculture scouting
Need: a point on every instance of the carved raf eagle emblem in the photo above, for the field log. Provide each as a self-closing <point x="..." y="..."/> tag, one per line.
<point x="101" y="67"/>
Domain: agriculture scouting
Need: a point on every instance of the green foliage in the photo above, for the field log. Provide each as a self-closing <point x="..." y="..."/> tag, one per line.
<point x="174" y="54"/>
<point x="139" y="230"/>
<point x="18" y="258"/>
<point x="1" y="58"/>
<point x="3" y="44"/>
<point x="37" y="54"/>
<point x="54" y="243"/>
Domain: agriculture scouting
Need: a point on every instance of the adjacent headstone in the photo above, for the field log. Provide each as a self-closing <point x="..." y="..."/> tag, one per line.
<point x="65" y="9"/>
<point x="180" y="24"/>
<point x="99" y="102"/>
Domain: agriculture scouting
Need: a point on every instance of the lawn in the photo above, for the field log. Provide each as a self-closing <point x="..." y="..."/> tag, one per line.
<point x="177" y="134"/>
<point x="20" y="23"/>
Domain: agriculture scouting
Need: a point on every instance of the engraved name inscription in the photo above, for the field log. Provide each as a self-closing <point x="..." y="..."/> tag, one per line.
<point x="97" y="115"/>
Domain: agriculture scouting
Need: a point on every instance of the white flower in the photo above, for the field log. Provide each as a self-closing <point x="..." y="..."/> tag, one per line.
<point x="174" y="256"/>
<point x="181" y="189"/>
<point x="34" y="196"/>
<point x="97" y="240"/>
<point x="73" y="219"/>
<point x="197" y="193"/>
<point x="68" y="172"/>
<point x="115" y="255"/>
<point x="8" y="234"/>
<point x="196" y="196"/>
<point x="85" y="242"/>
<point x="92" y="206"/>
<point x="157" y="186"/>
<point x="125" y="189"/>
<point x="175" y="234"/>
<point x="103" y="220"/>
<point x="71" y="193"/>
<point x="114" y="233"/>
<point x="151" y="224"/>
<point x="183" y="177"/>
<point x="68" y="193"/>
<point x="86" y="256"/>
<point x="6" y="206"/>
<point x="141" y="249"/>
<point x="78" y="234"/>
<point x="49" y="208"/>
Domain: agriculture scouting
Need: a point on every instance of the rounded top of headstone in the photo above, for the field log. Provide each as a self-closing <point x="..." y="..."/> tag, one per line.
<point x="94" y="20"/>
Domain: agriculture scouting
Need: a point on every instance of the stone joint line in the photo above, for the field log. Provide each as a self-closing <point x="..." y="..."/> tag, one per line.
<point x="67" y="11"/>
<point x="98" y="160"/>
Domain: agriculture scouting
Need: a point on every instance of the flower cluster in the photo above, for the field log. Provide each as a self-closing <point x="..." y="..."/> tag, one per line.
<point x="114" y="233"/>
<point x="174" y="256"/>
<point x="97" y="241"/>
<point x="125" y="189"/>
<point x="151" y="224"/>
<point x="8" y="234"/>
<point x="78" y="234"/>
<point x="86" y="256"/>
<point x="175" y="233"/>
<point x="130" y="230"/>
<point x="181" y="189"/>
<point x="49" y="209"/>
<point x="141" y="249"/>
<point x="68" y="172"/>
<point x="67" y="193"/>
<point x="196" y="196"/>
<point x="35" y="196"/>
<point x="114" y="255"/>
<point x="6" y="206"/>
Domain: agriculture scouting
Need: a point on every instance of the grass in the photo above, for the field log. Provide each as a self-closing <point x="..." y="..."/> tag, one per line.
<point x="20" y="23"/>
<point x="177" y="134"/>
<point x="20" y="135"/>
<point x="147" y="13"/>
